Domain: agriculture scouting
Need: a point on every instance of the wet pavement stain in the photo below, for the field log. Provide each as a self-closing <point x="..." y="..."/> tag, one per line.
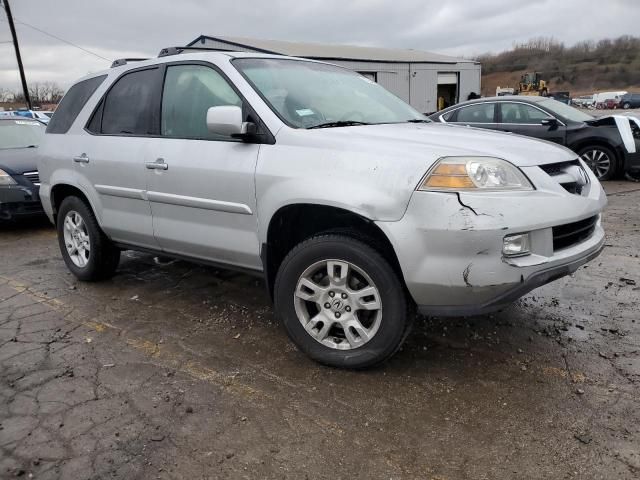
<point x="173" y="370"/>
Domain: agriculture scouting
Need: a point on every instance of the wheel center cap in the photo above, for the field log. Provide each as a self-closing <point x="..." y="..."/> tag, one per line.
<point x="338" y="305"/>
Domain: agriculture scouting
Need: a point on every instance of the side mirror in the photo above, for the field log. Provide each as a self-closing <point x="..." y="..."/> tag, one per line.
<point x="225" y="120"/>
<point x="549" y="122"/>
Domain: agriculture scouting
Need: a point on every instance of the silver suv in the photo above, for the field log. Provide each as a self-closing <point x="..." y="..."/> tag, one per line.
<point x="354" y="207"/>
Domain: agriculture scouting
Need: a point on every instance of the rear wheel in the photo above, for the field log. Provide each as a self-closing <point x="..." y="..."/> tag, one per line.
<point x="601" y="160"/>
<point x="86" y="250"/>
<point x="341" y="302"/>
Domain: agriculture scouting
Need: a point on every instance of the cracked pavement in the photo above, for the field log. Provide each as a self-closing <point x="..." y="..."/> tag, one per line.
<point x="173" y="370"/>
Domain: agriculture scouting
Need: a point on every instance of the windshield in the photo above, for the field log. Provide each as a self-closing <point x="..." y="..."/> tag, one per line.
<point x="307" y="94"/>
<point x="564" y="110"/>
<point x="20" y="133"/>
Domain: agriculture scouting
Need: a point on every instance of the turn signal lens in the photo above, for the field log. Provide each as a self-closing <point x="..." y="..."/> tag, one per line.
<point x="475" y="173"/>
<point x="449" y="181"/>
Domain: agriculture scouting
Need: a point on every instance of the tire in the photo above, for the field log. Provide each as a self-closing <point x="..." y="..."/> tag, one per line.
<point x="626" y="106"/>
<point x="330" y="318"/>
<point x="96" y="260"/>
<point x="595" y="157"/>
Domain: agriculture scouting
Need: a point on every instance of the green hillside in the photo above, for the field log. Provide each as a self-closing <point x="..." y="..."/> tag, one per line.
<point x="589" y="66"/>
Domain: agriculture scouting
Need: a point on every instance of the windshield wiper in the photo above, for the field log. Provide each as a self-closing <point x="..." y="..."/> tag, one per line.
<point x="419" y="120"/>
<point x="339" y="123"/>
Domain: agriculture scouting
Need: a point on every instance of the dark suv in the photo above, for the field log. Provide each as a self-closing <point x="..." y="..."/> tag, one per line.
<point x="629" y="100"/>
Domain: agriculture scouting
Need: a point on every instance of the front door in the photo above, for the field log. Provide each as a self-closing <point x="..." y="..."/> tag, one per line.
<point x="479" y="115"/>
<point x="525" y="119"/>
<point x="201" y="185"/>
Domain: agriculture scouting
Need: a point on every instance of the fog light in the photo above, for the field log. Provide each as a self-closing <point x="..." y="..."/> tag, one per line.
<point x="516" y="245"/>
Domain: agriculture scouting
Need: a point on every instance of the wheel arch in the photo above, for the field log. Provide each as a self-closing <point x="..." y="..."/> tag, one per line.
<point x="600" y="142"/>
<point x="293" y="223"/>
<point x="61" y="191"/>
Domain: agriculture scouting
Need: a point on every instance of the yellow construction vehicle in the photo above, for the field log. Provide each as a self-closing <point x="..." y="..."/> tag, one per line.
<point x="531" y="83"/>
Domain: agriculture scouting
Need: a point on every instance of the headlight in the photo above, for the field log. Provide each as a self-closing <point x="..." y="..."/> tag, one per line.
<point x="475" y="173"/>
<point x="6" y="179"/>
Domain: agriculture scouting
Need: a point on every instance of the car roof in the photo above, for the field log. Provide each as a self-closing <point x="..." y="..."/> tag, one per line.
<point x="191" y="55"/>
<point x="16" y="117"/>
<point x="21" y="118"/>
<point x="503" y="98"/>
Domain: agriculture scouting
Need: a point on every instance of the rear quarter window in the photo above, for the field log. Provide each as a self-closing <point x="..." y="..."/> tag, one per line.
<point x="72" y="104"/>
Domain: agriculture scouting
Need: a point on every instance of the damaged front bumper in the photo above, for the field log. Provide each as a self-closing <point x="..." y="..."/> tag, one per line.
<point x="450" y="245"/>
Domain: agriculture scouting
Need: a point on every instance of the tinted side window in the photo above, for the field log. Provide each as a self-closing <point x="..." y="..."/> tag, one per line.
<point x="448" y="116"/>
<point x="478" y="113"/>
<point x="189" y="91"/>
<point x="521" y="113"/>
<point x="131" y="106"/>
<point x="72" y="103"/>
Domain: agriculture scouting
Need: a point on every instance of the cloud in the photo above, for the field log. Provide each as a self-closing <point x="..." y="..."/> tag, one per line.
<point x="116" y="29"/>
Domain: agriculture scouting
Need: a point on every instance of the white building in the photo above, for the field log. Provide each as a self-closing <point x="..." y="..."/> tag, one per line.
<point x="417" y="77"/>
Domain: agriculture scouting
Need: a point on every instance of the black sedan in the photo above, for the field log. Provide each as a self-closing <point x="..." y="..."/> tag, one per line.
<point x="598" y="141"/>
<point x="19" y="180"/>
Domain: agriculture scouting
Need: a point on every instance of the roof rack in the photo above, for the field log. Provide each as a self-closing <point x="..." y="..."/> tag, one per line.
<point x="123" y="61"/>
<point x="165" y="52"/>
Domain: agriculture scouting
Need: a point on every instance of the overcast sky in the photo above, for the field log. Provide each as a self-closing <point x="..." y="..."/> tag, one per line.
<point x="114" y="29"/>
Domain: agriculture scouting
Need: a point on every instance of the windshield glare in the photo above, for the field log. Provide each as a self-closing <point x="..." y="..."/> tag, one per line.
<point x="20" y="133"/>
<point x="307" y="94"/>
<point x="566" y="111"/>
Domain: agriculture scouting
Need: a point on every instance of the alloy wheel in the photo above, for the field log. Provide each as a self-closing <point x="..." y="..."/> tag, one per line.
<point x="338" y="304"/>
<point x="76" y="239"/>
<point x="598" y="161"/>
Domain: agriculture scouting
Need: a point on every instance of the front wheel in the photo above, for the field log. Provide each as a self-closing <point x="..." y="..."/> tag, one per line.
<point x="626" y="106"/>
<point x="86" y="250"/>
<point x="341" y="302"/>
<point x="601" y="160"/>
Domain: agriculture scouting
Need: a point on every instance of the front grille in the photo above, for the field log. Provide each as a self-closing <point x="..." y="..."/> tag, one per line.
<point x="555" y="169"/>
<point x="570" y="175"/>
<point x="33" y="177"/>
<point x="565" y="236"/>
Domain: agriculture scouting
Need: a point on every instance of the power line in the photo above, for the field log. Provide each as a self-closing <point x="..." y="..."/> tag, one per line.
<point x="59" y="39"/>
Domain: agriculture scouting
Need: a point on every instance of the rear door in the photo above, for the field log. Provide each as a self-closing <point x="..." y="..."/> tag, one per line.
<point x="480" y="115"/>
<point x="525" y="119"/>
<point x="201" y="185"/>
<point x="110" y="159"/>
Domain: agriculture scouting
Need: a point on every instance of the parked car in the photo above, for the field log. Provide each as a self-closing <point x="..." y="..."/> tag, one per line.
<point x="354" y="207"/>
<point x="564" y="97"/>
<point x="19" y="183"/>
<point x="608" y="104"/>
<point x="583" y="101"/>
<point x="601" y="97"/>
<point x="37" y="114"/>
<point x="629" y="100"/>
<point x="597" y="141"/>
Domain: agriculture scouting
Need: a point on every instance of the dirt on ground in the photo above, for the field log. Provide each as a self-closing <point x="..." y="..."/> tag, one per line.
<point x="174" y="370"/>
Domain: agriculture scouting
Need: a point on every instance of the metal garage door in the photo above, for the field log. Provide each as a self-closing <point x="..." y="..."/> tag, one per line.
<point x="447" y="78"/>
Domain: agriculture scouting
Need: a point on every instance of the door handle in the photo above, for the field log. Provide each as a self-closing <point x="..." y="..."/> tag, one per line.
<point x="157" y="165"/>
<point x="81" y="159"/>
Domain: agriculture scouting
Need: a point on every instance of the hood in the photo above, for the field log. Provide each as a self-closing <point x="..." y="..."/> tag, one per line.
<point x="435" y="140"/>
<point x="18" y="160"/>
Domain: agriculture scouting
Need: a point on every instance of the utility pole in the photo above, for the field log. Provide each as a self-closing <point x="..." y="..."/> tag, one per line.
<point x="23" y="79"/>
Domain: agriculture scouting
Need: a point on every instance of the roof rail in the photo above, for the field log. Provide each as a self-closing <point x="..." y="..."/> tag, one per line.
<point x="123" y="61"/>
<point x="165" y="52"/>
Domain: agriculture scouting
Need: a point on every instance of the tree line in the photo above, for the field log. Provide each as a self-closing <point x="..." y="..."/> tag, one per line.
<point x="590" y="64"/>
<point x="40" y="93"/>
